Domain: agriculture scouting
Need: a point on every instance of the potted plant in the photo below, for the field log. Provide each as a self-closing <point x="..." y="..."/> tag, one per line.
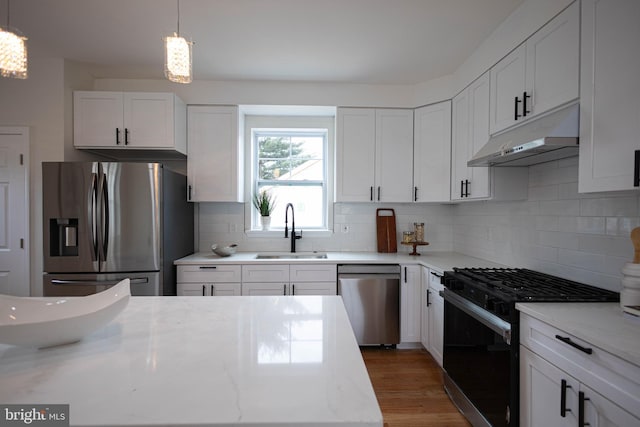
<point x="264" y="203"/>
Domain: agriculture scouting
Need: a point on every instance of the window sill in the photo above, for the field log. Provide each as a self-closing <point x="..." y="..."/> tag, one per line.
<point x="280" y="233"/>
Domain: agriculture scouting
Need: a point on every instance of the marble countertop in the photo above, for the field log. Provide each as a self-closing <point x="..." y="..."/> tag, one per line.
<point x="436" y="260"/>
<point x="603" y="325"/>
<point x="221" y="361"/>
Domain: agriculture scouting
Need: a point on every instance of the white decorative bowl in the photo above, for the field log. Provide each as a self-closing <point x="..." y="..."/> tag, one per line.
<point x="224" y="250"/>
<point x="45" y="322"/>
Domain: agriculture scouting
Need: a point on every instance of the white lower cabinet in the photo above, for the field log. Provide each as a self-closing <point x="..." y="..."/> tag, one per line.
<point x="565" y="381"/>
<point x="209" y="289"/>
<point x="410" y="304"/>
<point x="432" y="314"/>
<point x="285" y="279"/>
<point x="208" y="280"/>
<point x="436" y="316"/>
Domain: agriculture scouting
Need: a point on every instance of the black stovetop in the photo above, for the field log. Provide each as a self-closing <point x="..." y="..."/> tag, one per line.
<point x="520" y="284"/>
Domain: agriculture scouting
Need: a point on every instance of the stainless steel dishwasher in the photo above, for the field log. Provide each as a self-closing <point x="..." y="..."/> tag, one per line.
<point x="371" y="295"/>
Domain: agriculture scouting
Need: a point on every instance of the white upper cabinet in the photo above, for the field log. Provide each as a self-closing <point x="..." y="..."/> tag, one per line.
<point x="609" y="93"/>
<point x="129" y="120"/>
<point x="432" y="153"/>
<point x="394" y="156"/>
<point x="355" y="154"/>
<point x="508" y="81"/>
<point x="540" y="74"/>
<point x="470" y="131"/>
<point x="214" y="162"/>
<point x="374" y="152"/>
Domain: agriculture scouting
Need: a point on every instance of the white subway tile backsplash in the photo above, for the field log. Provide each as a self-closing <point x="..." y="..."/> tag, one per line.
<point x="583" y="237"/>
<point x="609" y="206"/>
<point x="560" y="207"/>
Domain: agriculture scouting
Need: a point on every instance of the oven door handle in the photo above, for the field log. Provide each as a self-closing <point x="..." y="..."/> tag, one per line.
<point x="491" y="321"/>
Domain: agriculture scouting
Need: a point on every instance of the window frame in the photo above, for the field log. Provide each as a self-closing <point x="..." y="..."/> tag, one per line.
<point x="283" y="124"/>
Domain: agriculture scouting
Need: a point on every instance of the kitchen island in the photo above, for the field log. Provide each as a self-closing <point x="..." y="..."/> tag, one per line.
<point x="226" y="361"/>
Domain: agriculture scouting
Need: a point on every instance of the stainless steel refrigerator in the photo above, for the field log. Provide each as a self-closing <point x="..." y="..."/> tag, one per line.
<point x="104" y="221"/>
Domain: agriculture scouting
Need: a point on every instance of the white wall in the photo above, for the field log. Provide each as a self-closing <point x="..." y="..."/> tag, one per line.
<point x="272" y="93"/>
<point x="42" y="103"/>
<point x="583" y="237"/>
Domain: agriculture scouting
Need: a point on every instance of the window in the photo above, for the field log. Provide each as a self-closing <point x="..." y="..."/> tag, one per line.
<point x="289" y="157"/>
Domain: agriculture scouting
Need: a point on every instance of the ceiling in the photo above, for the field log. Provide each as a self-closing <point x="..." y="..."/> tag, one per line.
<point x="338" y="41"/>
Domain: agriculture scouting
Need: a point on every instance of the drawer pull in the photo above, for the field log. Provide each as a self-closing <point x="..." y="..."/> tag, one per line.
<point x="563" y="398"/>
<point x="436" y="274"/>
<point x="208" y="267"/>
<point x="567" y="340"/>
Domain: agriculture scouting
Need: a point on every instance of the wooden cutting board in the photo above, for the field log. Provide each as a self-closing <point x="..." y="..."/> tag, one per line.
<point x="386" y="230"/>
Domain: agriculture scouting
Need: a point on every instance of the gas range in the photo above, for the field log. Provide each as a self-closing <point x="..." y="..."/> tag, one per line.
<point x="498" y="289"/>
<point x="481" y="335"/>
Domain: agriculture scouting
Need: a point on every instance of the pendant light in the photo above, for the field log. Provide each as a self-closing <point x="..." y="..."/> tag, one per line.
<point x="13" y="51"/>
<point x="178" y="56"/>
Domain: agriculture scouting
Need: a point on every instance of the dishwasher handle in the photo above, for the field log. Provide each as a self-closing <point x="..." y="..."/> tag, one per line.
<point x="369" y="276"/>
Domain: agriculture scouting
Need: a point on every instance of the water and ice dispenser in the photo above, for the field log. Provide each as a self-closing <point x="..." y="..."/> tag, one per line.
<point x="63" y="234"/>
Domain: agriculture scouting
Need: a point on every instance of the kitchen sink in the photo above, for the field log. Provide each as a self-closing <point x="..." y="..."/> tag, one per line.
<point x="289" y="255"/>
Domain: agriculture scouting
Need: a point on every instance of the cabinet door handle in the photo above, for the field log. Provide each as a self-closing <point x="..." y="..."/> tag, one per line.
<point x="516" y="116"/>
<point x="466" y="186"/>
<point x="203" y="289"/>
<point x="581" y="400"/>
<point x="293" y="289"/>
<point x="117" y="136"/>
<point x="436" y="274"/>
<point x="371" y="193"/>
<point x="405" y="275"/>
<point x="461" y="189"/>
<point x="563" y="398"/>
<point x="636" y="169"/>
<point x="284" y="289"/>
<point x="213" y="290"/>
<point x="567" y="340"/>
<point x="415" y="194"/>
<point x="525" y="111"/>
<point x="126" y="136"/>
<point x="189" y="195"/>
<point x="428" y="299"/>
<point x="378" y="193"/>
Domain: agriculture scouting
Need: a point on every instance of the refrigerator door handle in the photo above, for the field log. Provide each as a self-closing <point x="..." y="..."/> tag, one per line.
<point x="93" y="220"/>
<point x="103" y="220"/>
<point x="133" y="281"/>
<point x="105" y="213"/>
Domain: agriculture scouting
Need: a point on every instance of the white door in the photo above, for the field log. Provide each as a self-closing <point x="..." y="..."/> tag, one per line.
<point x="213" y="148"/>
<point x="548" y="396"/>
<point x="98" y="119"/>
<point x="148" y="120"/>
<point x="553" y="62"/>
<point x="609" y="92"/>
<point x="355" y="154"/>
<point x="432" y="153"/>
<point x="394" y="156"/>
<point x="14" y="211"/>
<point x="507" y="84"/>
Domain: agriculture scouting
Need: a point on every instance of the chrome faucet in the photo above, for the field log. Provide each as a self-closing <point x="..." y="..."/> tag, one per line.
<point x="294" y="236"/>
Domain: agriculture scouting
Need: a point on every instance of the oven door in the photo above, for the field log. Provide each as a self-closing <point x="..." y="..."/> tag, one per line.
<point x="480" y="363"/>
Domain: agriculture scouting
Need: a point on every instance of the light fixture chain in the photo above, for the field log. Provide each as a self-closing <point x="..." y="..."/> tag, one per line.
<point x="8" y="13"/>
<point x="178" y="17"/>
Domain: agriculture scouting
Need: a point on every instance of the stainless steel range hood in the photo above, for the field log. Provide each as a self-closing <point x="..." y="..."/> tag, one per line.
<point x="551" y="137"/>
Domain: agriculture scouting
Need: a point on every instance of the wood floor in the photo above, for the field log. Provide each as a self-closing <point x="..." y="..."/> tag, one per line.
<point x="408" y="385"/>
